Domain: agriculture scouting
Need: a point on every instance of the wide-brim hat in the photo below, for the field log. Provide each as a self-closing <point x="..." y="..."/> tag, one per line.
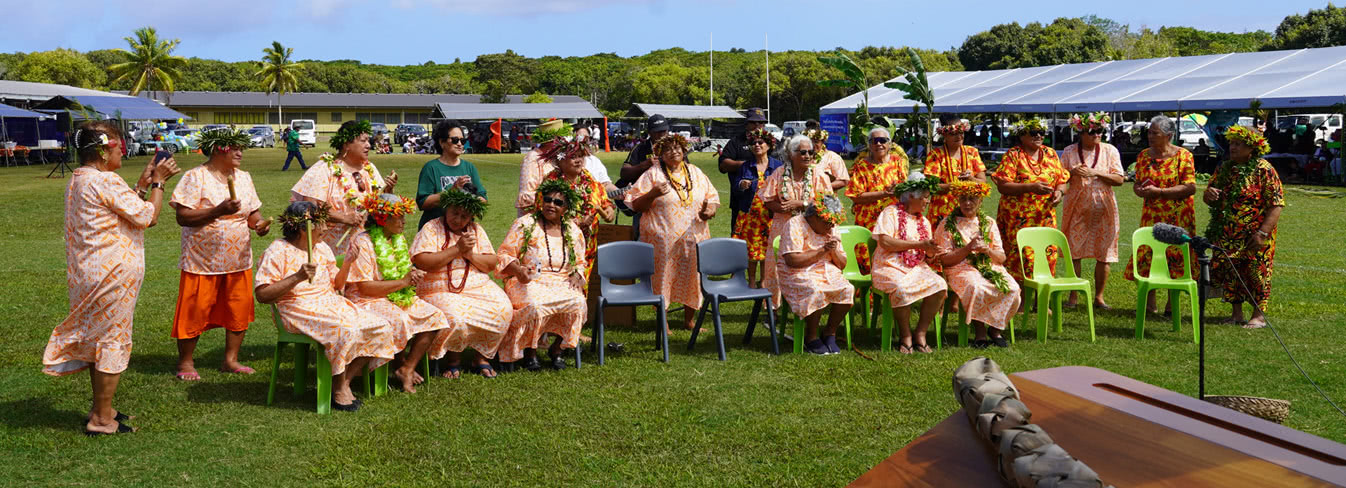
<point x="755" y="115"/>
<point x="552" y="124"/>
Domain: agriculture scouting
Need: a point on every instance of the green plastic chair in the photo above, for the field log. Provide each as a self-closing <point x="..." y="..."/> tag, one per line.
<point x="1160" y="279"/>
<point x="853" y="236"/>
<point x="1049" y="289"/>
<point x="889" y="322"/>
<point x="964" y="325"/>
<point x="301" y="344"/>
<point x="784" y="308"/>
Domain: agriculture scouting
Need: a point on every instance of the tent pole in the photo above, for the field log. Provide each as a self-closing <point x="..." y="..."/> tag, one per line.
<point x="4" y="138"/>
<point x="607" y="145"/>
<point x="766" y="48"/>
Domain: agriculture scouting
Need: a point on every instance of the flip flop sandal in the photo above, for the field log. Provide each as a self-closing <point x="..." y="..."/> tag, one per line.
<point x="452" y="372"/>
<point x="481" y="369"/>
<point x="1102" y="306"/>
<point x="121" y="429"/>
<point x="1251" y="325"/>
<point x="188" y="376"/>
<point x="904" y="349"/>
<point x="923" y="349"/>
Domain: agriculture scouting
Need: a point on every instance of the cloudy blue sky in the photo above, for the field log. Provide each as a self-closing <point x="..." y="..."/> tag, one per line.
<point x="414" y="31"/>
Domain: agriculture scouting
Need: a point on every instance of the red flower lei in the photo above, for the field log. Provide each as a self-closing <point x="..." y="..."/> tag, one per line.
<point x="911" y="257"/>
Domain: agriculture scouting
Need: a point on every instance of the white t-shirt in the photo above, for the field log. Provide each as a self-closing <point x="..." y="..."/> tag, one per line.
<point x="596" y="169"/>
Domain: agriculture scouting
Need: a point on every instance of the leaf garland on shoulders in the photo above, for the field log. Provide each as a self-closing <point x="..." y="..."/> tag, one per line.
<point x="980" y="261"/>
<point x="572" y="198"/>
<point x="394" y="263"/>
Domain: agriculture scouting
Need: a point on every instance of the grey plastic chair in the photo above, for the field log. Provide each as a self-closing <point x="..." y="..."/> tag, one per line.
<point x="724" y="256"/>
<point x="628" y="260"/>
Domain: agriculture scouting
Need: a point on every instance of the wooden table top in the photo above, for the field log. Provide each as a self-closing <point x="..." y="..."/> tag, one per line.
<point x="1130" y="433"/>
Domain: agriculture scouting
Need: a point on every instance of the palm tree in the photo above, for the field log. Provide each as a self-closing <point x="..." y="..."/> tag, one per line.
<point x="278" y="73"/>
<point x="150" y="63"/>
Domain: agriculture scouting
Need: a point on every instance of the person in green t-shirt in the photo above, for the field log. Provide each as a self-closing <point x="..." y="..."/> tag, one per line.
<point x="445" y="171"/>
<point x="292" y="148"/>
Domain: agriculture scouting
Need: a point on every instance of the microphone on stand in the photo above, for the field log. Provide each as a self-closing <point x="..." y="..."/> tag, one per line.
<point x="1172" y="234"/>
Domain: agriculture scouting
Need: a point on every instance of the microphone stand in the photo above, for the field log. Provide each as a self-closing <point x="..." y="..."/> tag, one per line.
<point x="1203" y="258"/>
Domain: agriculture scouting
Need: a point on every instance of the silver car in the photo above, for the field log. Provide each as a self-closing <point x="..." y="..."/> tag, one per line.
<point x="262" y="136"/>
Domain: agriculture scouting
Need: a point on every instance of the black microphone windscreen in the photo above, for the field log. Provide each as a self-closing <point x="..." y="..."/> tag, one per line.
<point x="1170" y="234"/>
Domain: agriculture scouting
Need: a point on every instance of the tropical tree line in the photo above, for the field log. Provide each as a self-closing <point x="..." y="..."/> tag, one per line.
<point x="675" y="76"/>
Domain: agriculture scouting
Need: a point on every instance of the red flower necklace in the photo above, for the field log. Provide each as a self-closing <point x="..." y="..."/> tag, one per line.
<point x="911" y="257"/>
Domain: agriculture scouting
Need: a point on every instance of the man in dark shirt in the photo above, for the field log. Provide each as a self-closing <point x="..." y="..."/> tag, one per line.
<point x="639" y="159"/>
<point x="738" y="151"/>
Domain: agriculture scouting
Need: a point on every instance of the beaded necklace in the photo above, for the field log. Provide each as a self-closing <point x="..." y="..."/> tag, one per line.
<point x="911" y="257"/>
<point x="684" y="192"/>
<point x="804" y="192"/>
<point x="467" y="267"/>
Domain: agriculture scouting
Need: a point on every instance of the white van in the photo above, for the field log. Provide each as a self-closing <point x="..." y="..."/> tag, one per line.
<point x="1191" y="134"/>
<point x="308" y="131"/>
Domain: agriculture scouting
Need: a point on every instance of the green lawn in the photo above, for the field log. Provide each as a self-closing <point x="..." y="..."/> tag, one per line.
<point x="755" y="420"/>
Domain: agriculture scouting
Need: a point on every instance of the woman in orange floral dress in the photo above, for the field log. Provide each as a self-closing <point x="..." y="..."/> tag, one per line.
<point x="810" y="272"/>
<point x="951" y="161"/>
<point x="1031" y="183"/>
<point x="341" y="181"/>
<point x="299" y="275"/>
<point x="569" y="158"/>
<point x="973" y="254"/>
<point x="1089" y="219"/>
<point x="381" y="282"/>
<point x="105" y="226"/>
<point x="754" y="220"/>
<point x="871" y="185"/>
<point x="457" y="259"/>
<point x="676" y="202"/>
<point x="1166" y="179"/>
<point x="786" y="193"/>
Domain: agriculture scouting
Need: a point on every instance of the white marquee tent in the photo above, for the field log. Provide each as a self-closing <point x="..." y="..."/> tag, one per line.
<point x="1279" y="79"/>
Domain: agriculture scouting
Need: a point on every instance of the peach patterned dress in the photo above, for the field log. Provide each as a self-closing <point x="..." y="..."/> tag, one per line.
<point x="416" y="318"/>
<point x="105" y="225"/>
<point x="775" y="188"/>
<point x="225" y="245"/>
<point x="553" y="301"/>
<point x="1029" y="209"/>
<point x="1089" y="218"/>
<point x="940" y="163"/>
<point x="869" y="177"/>
<point x="980" y="298"/>
<point x="315" y="309"/>
<point x="321" y="183"/>
<point x="903" y="284"/>
<point x="674" y="227"/>
<point x="479" y="314"/>
<point x="834" y="166"/>
<point x="531" y="174"/>
<point x="814" y="287"/>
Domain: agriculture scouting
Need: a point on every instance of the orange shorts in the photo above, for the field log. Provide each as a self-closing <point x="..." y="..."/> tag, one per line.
<point x="209" y="301"/>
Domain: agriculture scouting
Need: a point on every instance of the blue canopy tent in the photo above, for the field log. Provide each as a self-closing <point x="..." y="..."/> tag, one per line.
<point x="23" y="134"/>
<point x="114" y="107"/>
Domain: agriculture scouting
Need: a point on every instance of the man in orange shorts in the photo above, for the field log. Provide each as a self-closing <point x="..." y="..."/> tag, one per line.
<point x="217" y="207"/>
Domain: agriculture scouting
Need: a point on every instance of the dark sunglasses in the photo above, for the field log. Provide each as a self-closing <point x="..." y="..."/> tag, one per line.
<point x="880" y="140"/>
<point x="759" y="141"/>
<point x="1096" y="132"/>
<point x="806" y="152"/>
<point x="1037" y="133"/>
<point x="560" y="202"/>
<point x="456" y="140"/>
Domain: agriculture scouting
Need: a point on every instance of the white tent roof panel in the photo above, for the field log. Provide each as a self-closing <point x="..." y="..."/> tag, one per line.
<point x="1214" y="77"/>
<point x="568" y="110"/>
<point x="684" y="111"/>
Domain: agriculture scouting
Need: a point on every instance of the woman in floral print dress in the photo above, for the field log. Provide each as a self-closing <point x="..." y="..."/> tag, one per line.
<point x="871" y="185"/>
<point x="754" y="220"/>
<point x="1246" y="199"/>
<point x="1166" y="179"/>
<point x="1031" y="181"/>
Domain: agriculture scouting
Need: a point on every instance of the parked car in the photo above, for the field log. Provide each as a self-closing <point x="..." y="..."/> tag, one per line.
<point x="793" y="127"/>
<point x="214" y="126"/>
<point x="1190" y="133"/>
<point x="172" y="141"/>
<point x="308" y="131"/>
<point x="377" y="129"/>
<point x="774" y="130"/>
<point x="262" y="136"/>
<point x="403" y="130"/>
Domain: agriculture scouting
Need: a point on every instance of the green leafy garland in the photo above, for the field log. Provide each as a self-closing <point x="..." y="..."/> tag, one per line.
<point x="1236" y="176"/>
<point x="394" y="263"/>
<point x="573" y="199"/>
<point x="980" y="261"/>
<point x="222" y="138"/>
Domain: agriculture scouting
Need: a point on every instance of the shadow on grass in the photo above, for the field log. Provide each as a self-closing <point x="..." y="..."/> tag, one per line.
<point x="36" y="412"/>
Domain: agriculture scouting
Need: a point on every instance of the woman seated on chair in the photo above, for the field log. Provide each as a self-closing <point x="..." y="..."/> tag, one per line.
<point x="542" y="260"/>
<point x="303" y="285"/>
<point x="457" y="258"/>
<point x="809" y="272"/>
<point x="380" y="282"/>
<point x="900" y="267"/>
<point x="974" y="256"/>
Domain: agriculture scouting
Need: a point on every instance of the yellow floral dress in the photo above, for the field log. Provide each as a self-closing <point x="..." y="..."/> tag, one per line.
<point x="869" y="177"/>
<point x="939" y="163"/>
<point x="1165" y="173"/>
<point x="1028" y="209"/>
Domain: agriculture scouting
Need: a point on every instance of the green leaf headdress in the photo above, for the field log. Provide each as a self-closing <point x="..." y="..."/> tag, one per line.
<point x="918" y="181"/>
<point x="457" y="198"/>
<point x="1028" y="125"/>
<point x="550" y="186"/>
<point x="297" y="213"/>
<point x="349" y="131"/>
<point x="222" y="138"/>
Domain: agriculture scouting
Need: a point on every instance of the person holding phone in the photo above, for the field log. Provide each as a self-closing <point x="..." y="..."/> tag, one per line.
<point x="218" y="209"/>
<point x="1166" y="180"/>
<point x="449" y="170"/>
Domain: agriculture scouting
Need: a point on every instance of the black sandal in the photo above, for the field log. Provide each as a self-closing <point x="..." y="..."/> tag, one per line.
<point x="904" y="348"/>
<point x="481" y="369"/>
<point x="532" y="364"/>
<point x="121" y="429"/>
<point x="349" y="407"/>
<point x="923" y="349"/>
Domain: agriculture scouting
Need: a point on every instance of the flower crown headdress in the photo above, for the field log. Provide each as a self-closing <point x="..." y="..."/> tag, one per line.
<point x="387" y="205"/>
<point x="1090" y="121"/>
<point x="829" y="208"/>
<point x="668" y="141"/>
<point x="1249" y="138"/>
<point x="317" y="213"/>
<point x="956" y="128"/>
<point x="964" y="188"/>
<point x="1028" y="125"/>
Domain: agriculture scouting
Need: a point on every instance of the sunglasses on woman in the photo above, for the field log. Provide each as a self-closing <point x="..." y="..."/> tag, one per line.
<point x="1037" y="133"/>
<point x="806" y="152"/>
<point x="456" y="140"/>
<point x="1096" y="132"/>
<point x="879" y="140"/>
<point x="560" y="202"/>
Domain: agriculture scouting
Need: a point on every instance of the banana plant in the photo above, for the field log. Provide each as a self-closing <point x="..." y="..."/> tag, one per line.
<point x="854" y="79"/>
<point x="917" y="88"/>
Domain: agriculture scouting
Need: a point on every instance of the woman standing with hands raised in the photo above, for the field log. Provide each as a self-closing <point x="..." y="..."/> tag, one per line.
<point x="343" y="180"/>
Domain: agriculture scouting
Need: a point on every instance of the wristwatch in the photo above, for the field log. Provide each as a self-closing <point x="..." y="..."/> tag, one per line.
<point x="155" y="185"/>
<point x="1262" y="233"/>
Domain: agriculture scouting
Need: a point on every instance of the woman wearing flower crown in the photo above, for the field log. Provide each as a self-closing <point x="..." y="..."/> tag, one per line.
<point x="874" y="175"/>
<point x="1089" y="219"/>
<point x="973" y="255"/>
<point x="105" y="226"/>
<point x="570" y="158"/>
<point x="341" y="181"/>
<point x="456" y="257"/>
<point x="676" y="201"/>
<point x="380" y="282"/>
<point x="536" y="165"/>
<point x="754" y="220"/>
<point x="787" y="193"/>
<point x="542" y="259"/>
<point x="218" y="210"/>
<point x="901" y="268"/>
<point x="299" y="274"/>
<point x="810" y="272"/>
<point x="1031" y="183"/>
<point x="829" y="161"/>
<point x="951" y="161"/>
<point x="1246" y="199"/>
<point x="1166" y="180"/>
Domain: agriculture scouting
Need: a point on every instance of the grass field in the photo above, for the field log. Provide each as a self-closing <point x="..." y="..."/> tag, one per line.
<point x="755" y="420"/>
